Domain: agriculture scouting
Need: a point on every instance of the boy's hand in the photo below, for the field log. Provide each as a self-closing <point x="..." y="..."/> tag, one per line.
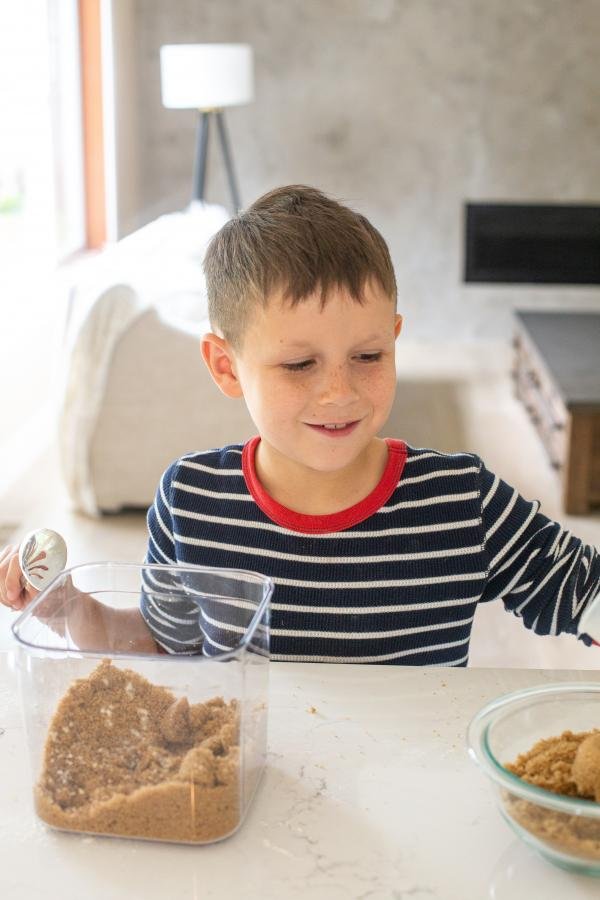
<point x="15" y="592"/>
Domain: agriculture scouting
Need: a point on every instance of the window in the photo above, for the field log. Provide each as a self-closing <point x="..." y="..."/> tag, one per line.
<point x="41" y="197"/>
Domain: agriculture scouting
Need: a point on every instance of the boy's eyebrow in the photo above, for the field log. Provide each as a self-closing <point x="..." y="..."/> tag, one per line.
<point x="376" y="336"/>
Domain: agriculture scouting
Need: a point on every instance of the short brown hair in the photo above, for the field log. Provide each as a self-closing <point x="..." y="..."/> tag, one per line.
<point x="296" y="240"/>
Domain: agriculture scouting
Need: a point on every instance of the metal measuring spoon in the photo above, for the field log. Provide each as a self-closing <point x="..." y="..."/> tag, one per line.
<point x="42" y="556"/>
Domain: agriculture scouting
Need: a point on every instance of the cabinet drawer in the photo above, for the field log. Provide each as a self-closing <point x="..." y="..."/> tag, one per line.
<point x="548" y="413"/>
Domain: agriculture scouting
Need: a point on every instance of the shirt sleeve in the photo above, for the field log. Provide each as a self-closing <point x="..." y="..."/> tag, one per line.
<point x="540" y="571"/>
<point x="161" y="540"/>
<point x="172" y="618"/>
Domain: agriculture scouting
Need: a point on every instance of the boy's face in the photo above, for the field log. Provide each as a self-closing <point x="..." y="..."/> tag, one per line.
<point x="319" y="383"/>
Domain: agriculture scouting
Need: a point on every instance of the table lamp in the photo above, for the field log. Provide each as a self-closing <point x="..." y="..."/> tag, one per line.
<point x="207" y="77"/>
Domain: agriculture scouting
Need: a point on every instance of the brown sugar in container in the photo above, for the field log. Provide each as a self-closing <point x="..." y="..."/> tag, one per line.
<point x="147" y="745"/>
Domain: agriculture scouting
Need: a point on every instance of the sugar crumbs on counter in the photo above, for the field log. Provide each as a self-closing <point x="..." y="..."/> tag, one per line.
<point x="568" y="765"/>
<point x="125" y="757"/>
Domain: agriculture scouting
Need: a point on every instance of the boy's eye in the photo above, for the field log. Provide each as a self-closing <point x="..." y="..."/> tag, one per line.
<point x="307" y="363"/>
<point x="369" y="357"/>
<point x="298" y="366"/>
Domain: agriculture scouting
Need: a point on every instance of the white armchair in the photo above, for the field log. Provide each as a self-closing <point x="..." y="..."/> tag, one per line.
<point x="136" y="391"/>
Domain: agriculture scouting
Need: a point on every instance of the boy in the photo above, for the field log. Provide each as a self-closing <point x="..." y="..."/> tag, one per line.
<point x="379" y="552"/>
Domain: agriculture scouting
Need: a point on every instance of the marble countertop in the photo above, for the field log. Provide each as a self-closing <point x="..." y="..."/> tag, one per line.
<point x="369" y="793"/>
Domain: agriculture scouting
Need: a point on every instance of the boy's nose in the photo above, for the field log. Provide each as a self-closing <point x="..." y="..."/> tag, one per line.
<point x="337" y="387"/>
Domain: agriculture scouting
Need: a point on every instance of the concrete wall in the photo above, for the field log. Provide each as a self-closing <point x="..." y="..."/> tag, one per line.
<point x="404" y="109"/>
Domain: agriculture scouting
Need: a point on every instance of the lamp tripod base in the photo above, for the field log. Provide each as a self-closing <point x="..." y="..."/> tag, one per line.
<point x="201" y="155"/>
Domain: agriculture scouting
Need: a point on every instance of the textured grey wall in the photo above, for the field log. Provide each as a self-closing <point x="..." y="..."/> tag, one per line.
<point x="403" y="108"/>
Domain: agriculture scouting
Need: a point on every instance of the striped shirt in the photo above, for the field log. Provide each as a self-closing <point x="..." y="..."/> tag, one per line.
<point x="395" y="579"/>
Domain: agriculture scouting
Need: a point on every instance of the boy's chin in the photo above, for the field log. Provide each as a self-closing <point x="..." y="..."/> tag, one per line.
<point x="336" y="459"/>
<point x="325" y="454"/>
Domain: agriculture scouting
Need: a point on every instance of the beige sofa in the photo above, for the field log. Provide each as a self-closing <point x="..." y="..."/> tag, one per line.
<point x="159" y="402"/>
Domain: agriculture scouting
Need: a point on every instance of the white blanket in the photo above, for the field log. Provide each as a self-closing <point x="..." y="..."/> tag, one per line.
<point x="159" y="265"/>
<point x="88" y="364"/>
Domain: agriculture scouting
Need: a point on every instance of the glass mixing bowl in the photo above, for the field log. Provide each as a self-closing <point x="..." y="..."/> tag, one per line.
<point x="564" y="830"/>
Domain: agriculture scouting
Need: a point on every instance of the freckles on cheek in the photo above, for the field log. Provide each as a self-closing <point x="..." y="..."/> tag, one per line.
<point x="281" y="397"/>
<point x="377" y="382"/>
<point x="292" y="390"/>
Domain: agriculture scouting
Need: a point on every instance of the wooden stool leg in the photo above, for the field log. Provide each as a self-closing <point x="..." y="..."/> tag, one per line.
<point x="578" y="468"/>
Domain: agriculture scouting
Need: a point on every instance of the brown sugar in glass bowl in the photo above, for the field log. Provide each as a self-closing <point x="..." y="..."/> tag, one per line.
<point x="527" y="743"/>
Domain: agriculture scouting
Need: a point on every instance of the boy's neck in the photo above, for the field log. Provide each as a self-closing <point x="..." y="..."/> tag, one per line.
<point x="316" y="493"/>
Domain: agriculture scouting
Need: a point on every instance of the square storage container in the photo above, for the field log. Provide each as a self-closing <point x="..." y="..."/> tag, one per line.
<point x="145" y="697"/>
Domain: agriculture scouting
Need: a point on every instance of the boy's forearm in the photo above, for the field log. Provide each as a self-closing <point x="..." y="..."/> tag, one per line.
<point x="94" y="626"/>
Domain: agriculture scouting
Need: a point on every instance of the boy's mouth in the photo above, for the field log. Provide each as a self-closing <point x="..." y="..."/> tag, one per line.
<point x="335" y="429"/>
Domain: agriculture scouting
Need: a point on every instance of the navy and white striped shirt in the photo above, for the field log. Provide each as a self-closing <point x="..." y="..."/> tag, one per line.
<point x="394" y="579"/>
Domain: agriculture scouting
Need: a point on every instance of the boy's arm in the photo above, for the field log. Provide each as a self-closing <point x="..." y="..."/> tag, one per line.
<point x="91" y="625"/>
<point x="172" y="618"/>
<point x="161" y="539"/>
<point x="542" y="573"/>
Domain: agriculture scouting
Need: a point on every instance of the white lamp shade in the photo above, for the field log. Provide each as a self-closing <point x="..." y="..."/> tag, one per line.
<point x="206" y="76"/>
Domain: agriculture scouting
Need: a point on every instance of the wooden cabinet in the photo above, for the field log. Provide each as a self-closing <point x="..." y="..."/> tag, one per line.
<point x="557" y="378"/>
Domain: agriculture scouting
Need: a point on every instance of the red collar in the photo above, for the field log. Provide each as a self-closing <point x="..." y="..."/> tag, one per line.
<point x="338" y="521"/>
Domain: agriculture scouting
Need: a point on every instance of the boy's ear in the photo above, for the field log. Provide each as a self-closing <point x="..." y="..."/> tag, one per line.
<point x="219" y="358"/>
<point x="398" y="325"/>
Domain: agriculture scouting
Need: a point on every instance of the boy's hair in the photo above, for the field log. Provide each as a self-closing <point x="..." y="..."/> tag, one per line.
<point x="296" y="240"/>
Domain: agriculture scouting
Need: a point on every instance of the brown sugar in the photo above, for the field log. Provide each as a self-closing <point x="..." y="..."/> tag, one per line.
<point x="565" y="765"/>
<point x="586" y="767"/>
<point x="126" y="757"/>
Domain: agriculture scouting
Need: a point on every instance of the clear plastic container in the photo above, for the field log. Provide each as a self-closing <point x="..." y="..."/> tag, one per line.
<point x="563" y="829"/>
<point x="127" y="739"/>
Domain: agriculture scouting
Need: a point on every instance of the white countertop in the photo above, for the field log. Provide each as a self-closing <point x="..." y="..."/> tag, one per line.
<point x="372" y="795"/>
